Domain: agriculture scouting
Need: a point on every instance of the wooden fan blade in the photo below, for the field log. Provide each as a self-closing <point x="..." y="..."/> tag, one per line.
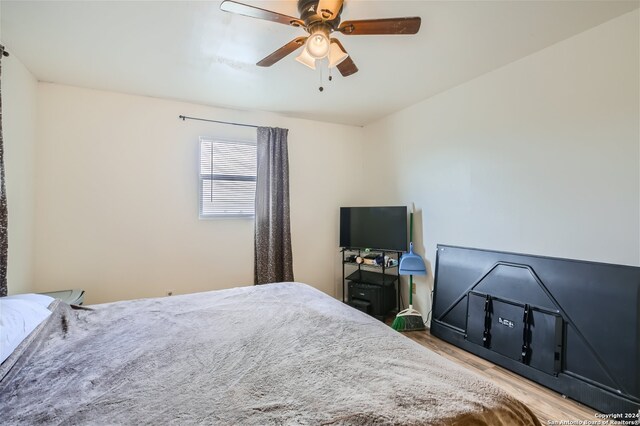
<point x="329" y="9"/>
<point x="381" y="26"/>
<point x="256" y="12"/>
<point x="346" y="67"/>
<point x="285" y="50"/>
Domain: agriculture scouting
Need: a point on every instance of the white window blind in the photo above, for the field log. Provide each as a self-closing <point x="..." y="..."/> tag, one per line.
<point x="227" y="178"/>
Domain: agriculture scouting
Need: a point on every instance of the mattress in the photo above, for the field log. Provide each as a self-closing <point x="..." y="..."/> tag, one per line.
<point x="275" y="354"/>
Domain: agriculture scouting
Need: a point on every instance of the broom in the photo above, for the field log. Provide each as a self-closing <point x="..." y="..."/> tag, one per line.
<point x="410" y="264"/>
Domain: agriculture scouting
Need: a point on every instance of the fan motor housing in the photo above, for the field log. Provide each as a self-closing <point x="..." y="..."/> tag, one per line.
<point x="308" y="13"/>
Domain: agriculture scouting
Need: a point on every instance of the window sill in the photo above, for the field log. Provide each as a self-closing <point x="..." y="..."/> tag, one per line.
<point x="227" y="217"/>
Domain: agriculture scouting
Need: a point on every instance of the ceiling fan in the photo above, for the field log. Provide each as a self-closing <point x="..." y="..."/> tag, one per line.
<point x="320" y="18"/>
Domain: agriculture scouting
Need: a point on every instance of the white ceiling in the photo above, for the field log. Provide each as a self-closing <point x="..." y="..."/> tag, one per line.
<point x="193" y="51"/>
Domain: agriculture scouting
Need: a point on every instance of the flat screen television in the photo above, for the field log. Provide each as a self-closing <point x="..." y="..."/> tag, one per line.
<point x="380" y="228"/>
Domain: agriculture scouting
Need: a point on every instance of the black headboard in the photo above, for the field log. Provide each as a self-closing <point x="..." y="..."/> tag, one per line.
<point x="570" y="325"/>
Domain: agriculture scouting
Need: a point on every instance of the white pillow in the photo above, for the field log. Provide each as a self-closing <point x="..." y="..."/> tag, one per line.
<point x="39" y="299"/>
<point x="18" y="318"/>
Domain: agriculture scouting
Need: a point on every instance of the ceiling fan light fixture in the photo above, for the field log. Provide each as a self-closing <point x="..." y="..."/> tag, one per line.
<point x="318" y="44"/>
<point x="305" y="59"/>
<point x="336" y="55"/>
<point x="321" y="18"/>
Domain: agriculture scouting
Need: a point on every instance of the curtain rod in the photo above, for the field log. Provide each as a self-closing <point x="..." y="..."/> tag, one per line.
<point x="184" y="117"/>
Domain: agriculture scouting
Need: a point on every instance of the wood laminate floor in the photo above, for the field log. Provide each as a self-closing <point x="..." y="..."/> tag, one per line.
<point x="548" y="405"/>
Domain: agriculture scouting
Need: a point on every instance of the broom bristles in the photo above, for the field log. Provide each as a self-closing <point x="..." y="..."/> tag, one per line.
<point x="398" y="323"/>
<point x="408" y="323"/>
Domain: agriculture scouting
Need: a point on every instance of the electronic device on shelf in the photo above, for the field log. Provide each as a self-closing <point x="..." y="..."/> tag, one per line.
<point x="375" y="300"/>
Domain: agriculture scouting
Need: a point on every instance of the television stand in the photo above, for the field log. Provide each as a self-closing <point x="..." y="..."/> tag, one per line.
<point x="371" y="288"/>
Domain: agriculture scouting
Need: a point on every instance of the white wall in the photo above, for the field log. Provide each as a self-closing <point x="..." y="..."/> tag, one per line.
<point x="117" y="207"/>
<point x="19" y="91"/>
<point x="541" y="156"/>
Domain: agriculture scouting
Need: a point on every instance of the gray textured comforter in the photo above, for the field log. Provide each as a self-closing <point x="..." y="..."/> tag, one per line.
<point x="275" y="354"/>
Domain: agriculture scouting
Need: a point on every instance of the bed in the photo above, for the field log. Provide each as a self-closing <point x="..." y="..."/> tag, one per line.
<point x="281" y="353"/>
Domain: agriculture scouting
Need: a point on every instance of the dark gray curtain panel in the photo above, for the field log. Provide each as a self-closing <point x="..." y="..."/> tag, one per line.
<point x="4" y="236"/>
<point x="273" y="256"/>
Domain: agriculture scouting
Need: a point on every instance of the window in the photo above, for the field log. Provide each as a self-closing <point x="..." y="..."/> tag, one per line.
<point x="227" y="178"/>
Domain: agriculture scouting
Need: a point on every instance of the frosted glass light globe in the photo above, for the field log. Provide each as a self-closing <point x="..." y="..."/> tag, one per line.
<point x="336" y="55"/>
<point x="318" y="45"/>
<point x="306" y="59"/>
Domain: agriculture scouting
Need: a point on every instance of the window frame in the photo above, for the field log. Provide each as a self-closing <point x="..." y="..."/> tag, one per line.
<point x="236" y="178"/>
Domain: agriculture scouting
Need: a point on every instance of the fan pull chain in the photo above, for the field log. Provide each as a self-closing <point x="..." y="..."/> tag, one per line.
<point x="330" y="77"/>
<point x="320" y="88"/>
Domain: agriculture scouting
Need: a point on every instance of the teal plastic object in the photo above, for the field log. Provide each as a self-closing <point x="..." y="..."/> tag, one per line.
<point x="412" y="264"/>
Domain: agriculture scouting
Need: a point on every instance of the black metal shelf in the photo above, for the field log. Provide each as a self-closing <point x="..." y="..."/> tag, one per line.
<point x="366" y="265"/>
<point x="373" y="278"/>
<point x="364" y="272"/>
